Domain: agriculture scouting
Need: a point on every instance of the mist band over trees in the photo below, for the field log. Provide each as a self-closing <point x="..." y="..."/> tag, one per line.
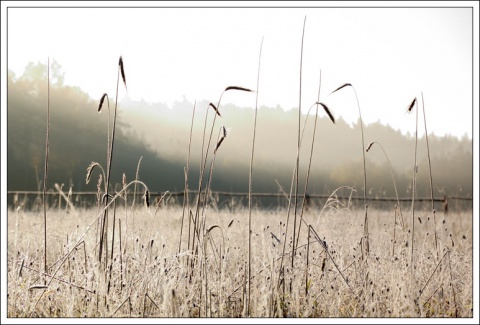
<point x="159" y="135"/>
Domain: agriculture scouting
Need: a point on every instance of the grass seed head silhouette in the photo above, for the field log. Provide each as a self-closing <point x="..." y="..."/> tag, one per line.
<point x="120" y="63"/>
<point x="409" y="109"/>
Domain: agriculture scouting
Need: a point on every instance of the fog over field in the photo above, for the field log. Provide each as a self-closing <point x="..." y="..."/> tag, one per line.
<point x="160" y="135"/>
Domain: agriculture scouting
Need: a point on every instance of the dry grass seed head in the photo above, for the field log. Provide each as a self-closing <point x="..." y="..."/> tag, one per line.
<point x="120" y="63"/>
<point x="146" y="196"/>
<point x="90" y="168"/>
<point x="101" y="102"/>
<point x="159" y="202"/>
<point x="409" y="109"/>
<point x="238" y="88"/>
<point x="342" y="86"/>
<point x="369" y="146"/>
<point x="99" y="183"/>
<point x="327" y="110"/>
<point x="221" y="139"/>
<point x="215" y="108"/>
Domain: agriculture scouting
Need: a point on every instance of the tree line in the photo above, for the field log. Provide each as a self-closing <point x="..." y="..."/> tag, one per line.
<point x="154" y="139"/>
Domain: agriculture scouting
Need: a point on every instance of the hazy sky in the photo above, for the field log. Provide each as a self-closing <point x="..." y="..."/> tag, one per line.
<point x="390" y="55"/>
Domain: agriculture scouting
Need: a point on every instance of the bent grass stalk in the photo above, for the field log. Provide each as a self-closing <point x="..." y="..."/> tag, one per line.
<point x="297" y="164"/>
<point x="396" y="193"/>
<point x="186" y="201"/>
<point x="295" y="171"/>
<point x="135" y="187"/>
<point x="327" y="111"/>
<point x="250" y="172"/>
<point x="90" y="169"/>
<point x="289" y="197"/>
<point x="203" y="162"/>
<point x="413" y="104"/>
<point x="221" y="137"/>
<point x="109" y="162"/>
<point x="365" y="238"/>
<point x="431" y="180"/>
<point x="46" y="174"/>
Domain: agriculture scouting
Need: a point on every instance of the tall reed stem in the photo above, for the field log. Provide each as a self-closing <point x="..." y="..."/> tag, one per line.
<point x="186" y="202"/>
<point x="414" y="185"/>
<point x="365" y="239"/>
<point x="109" y="162"/>
<point x="396" y="194"/>
<point x="311" y="155"/>
<point x="298" y="147"/>
<point x="250" y="186"/>
<point x="431" y="180"/>
<point x="46" y="174"/>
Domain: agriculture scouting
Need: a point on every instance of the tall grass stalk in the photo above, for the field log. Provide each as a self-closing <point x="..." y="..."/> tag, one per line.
<point x="203" y="162"/>
<point x="318" y="103"/>
<point x="306" y="267"/>
<point x="250" y="186"/>
<point x="112" y="249"/>
<point x="221" y="137"/>
<point x="308" y="170"/>
<point x="396" y="193"/>
<point x="200" y="180"/>
<point x="134" y="200"/>
<point x="289" y="197"/>
<point x="102" y="221"/>
<point x="289" y="205"/>
<point x="120" y="252"/>
<point x="45" y="176"/>
<point x="414" y="185"/>
<point x="186" y="201"/>
<point x="451" y="284"/>
<point x="365" y="239"/>
<point x="431" y="180"/>
<point x="297" y="164"/>
<point x="109" y="162"/>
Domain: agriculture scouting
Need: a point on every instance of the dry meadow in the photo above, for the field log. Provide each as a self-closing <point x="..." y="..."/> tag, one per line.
<point x="149" y="274"/>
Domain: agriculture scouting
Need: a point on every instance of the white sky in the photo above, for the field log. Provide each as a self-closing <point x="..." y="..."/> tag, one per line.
<point x="390" y="55"/>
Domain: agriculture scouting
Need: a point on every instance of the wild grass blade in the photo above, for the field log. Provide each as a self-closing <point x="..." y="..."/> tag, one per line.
<point x="101" y="102"/>
<point x="238" y="88"/>
<point x="412" y="104"/>
<point x="186" y="199"/>
<point x="327" y="110"/>
<point x="120" y="63"/>
<point x="297" y="165"/>
<point x="342" y="86"/>
<point x="365" y="238"/>
<point x="414" y="185"/>
<point x="396" y="194"/>
<point x="431" y="181"/>
<point x="250" y="185"/>
<point x="215" y="109"/>
<point x="45" y="177"/>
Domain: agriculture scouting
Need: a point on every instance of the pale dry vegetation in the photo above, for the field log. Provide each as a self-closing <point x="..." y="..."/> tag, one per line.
<point x="150" y="279"/>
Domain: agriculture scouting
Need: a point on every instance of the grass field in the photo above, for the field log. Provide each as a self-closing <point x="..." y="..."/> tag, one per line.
<point x="146" y="276"/>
